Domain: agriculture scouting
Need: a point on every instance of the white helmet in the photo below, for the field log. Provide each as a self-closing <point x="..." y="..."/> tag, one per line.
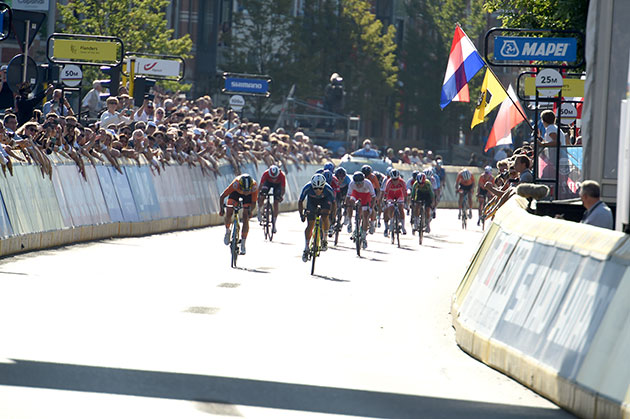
<point x="466" y="174"/>
<point x="394" y="174"/>
<point x="274" y="171"/>
<point x="318" y="181"/>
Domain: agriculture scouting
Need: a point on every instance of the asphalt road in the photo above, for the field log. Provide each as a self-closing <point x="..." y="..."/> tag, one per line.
<point x="162" y="327"/>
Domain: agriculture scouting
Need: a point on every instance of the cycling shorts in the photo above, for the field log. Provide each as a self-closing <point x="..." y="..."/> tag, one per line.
<point x="311" y="207"/>
<point x="234" y="196"/>
<point x="277" y="189"/>
<point x="395" y="196"/>
<point x="364" y="197"/>
<point x="342" y="193"/>
<point x="482" y="192"/>
<point x="466" y="188"/>
<point x="424" y="197"/>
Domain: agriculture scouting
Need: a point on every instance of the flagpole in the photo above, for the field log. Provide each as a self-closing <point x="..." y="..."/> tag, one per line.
<point x="518" y="108"/>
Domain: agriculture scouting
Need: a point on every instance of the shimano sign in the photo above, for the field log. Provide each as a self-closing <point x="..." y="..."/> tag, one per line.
<point x="247" y="86"/>
<point x="516" y="48"/>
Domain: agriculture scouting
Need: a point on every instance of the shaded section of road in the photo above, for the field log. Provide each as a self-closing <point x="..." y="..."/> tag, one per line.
<point x="246" y="392"/>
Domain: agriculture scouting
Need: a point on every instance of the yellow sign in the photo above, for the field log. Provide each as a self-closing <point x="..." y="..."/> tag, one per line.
<point x="570" y="88"/>
<point x="87" y="51"/>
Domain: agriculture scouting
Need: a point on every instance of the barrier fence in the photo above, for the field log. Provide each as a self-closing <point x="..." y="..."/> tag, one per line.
<point x="545" y="301"/>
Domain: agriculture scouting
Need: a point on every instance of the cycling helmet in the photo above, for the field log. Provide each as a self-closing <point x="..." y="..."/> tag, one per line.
<point x="421" y="178"/>
<point x="366" y="169"/>
<point x="320" y="171"/>
<point x="329" y="166"/>
<point x="274" y="171"/>
<point x="379" y="176"/>
<point x="394" y="174"/>
<point x="246" y="182"/>
<point x="358" y="177"/>
<point x="428" y="172"/>
<point x="466" y="174"/>
<point x="487" y="169"/>
<point x="414" y="174"/>
<point x="340" y="173"/>
<point x="318" y="181"/>
<point x="328" y="175"/>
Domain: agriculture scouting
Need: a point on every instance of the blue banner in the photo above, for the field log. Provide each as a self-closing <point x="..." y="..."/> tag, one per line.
<point x="520" y="48"/>
<point x="242" y="85"/>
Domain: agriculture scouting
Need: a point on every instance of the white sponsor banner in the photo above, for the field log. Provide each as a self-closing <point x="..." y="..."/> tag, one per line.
<point x="38" y="5"/>
<point x="158" y="68"/>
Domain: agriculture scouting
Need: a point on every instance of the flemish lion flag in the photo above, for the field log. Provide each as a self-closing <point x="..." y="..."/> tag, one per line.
<point x="492" y="95"/>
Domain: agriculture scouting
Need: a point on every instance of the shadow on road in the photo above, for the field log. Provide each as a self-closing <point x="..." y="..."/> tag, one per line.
<point x="225" y="392"/>
<point x="330" y="278"/>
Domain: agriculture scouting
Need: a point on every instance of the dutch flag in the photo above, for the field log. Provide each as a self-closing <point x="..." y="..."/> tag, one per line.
<point x="463" y="63"/>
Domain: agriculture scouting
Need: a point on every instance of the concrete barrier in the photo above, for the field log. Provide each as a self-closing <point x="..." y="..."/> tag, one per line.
<point x="545" y="302"/>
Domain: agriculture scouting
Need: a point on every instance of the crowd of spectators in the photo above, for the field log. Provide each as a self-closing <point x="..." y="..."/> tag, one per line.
<point x="167" y="130"/>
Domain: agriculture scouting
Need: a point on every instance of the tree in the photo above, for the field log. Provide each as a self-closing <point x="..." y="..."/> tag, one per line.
<point x="141" y="24"/>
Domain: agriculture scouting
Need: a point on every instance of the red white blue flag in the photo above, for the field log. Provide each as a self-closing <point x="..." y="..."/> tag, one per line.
<point x="463" y="63"/>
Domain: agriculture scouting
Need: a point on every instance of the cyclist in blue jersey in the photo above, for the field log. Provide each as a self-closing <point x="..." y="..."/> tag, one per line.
<point x="316" y="192"/>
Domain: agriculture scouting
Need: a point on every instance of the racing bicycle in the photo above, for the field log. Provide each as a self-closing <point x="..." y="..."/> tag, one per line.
<point x="316" y="239"/>
<point x="235" y="238"/>
<point x="268" y="223"/>
<point x="357" y="234"/>
<point x="338" y="222"/>
<point x="464" y="208"/>
<point x="396" y="227"/>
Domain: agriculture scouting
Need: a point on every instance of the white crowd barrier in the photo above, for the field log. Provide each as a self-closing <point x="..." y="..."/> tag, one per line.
<point x="545" y="302"/>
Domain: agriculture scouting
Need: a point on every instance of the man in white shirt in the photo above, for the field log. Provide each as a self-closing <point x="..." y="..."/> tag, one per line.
<point x="92" y="100"/>
<point x="111" y="115"/>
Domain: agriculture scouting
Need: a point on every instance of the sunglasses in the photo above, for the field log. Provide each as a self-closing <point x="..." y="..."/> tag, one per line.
<point x="318" y="189"/>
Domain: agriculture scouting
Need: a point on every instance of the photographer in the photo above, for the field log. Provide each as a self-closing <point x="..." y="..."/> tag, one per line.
<point x="146" y="112"/>
<point x="25" y="105"/>
<point x="58" y="105"/>
<point x="7" y="101"/>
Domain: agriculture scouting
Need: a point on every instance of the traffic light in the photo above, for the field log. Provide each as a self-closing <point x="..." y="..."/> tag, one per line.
<point x="114" y="80"/>
<point x="142" y="90"/>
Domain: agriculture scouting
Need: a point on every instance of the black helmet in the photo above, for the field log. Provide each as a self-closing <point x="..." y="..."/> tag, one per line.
<point x="340" y="172"/>
<point x="366" y="169"/>
<point x="358" y="177"/>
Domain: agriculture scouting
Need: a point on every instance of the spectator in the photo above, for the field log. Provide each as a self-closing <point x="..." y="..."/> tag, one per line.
<point x="366" y="151"/>
<point x="597" y="212"/>
<point x="146" y="112"/>
<point x="92" y="100"/>
<point x="521" y="164"/>
<point x="111" y="116"/>
<point x="7" y="101"/>
<point x="403" y="157"/>
<point x="57" y="104"/>
<point x="415" y="158"/>
<point x="24" y="105"/>
<point x="391" y="156"/>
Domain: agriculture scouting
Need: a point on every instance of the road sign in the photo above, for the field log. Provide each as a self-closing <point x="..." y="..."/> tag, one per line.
<point x="570" y="87"/>
<point x="158" y="68"/>
<point x="568" y="114"/>
<point x="25" y="25"/>
<point x="246" y="85"/>
<point x="549" y="82"/>
<point x="237" y="102"/>
<point x="71" y="75"/>
<point x="520" y="48"/>
<point x="15" y="72"/>
<point x="85" y="49"/>
<point x="6" y="16"/>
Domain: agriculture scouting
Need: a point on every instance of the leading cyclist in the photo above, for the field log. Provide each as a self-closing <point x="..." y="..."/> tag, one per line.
<point x="244" y="187"/>
<point x="361" y="190"/>
<point x="316" y="192"/>
<point x="272" y="178"/>
<point x="422" y="191"/>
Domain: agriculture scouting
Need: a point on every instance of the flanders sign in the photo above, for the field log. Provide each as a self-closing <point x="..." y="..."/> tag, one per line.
<point x="85" y="49"/>
<point x="535" y="49"/>
<point x="246" y="84"/>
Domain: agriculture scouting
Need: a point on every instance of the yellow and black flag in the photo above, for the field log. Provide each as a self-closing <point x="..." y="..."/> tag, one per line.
<point x="492" y="95"/>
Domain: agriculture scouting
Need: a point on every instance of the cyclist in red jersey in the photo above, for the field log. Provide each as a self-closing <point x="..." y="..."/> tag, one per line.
<point x="272" y="178"/>
<point x="394" y="193"/>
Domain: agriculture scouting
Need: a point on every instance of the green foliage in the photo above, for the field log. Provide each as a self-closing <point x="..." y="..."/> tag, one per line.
<point x="141" y="24"/>
<point x="540" y="14"/>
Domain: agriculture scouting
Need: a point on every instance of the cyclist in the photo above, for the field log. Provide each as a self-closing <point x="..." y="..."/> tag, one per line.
<point x="464" y="184"/>
<point x="378" y="207"/>
<point x="316" y="192"/>
<point x="435" y="182"/>
<point x="363" y="191"/>
<point x="366" y="169"/>
<point x="243" y="186"/>
<point x="344" y="181"/>
<point x="482" y="192"/>
<point x="422" y="191"/>
<point x="441" y="173"/>
<point x="410" y="183"/>
<point x="332" y="181"/>
<point x="395" y="193"/>
<point x="272" y="178"/>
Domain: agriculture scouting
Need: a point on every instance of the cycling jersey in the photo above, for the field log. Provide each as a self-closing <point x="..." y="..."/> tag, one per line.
<point x="280" y="180"/>
<point x="441" y="173"/>
<point x="410" y="183"/>
<point x="363" y="192"/>
<point x="344" y="182"/>
<point x="395" y="190"/>
<point x="234" y="192"/>
<point x="460" y="180"/>
<point x="483" y="179"/>
<point x="422" y="191"/>
<point x="374" y="180"/>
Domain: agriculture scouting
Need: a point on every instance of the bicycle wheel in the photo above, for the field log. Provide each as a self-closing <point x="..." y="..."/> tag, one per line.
<point x="464" y="213"/>
<point x="269" y="220"/>
<point x="338" y="224"/>
<point x="357" y="230"/>
<point x="234" y="242"/>
<point x="420" y="222"/>
<point x="315" y="243"/>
